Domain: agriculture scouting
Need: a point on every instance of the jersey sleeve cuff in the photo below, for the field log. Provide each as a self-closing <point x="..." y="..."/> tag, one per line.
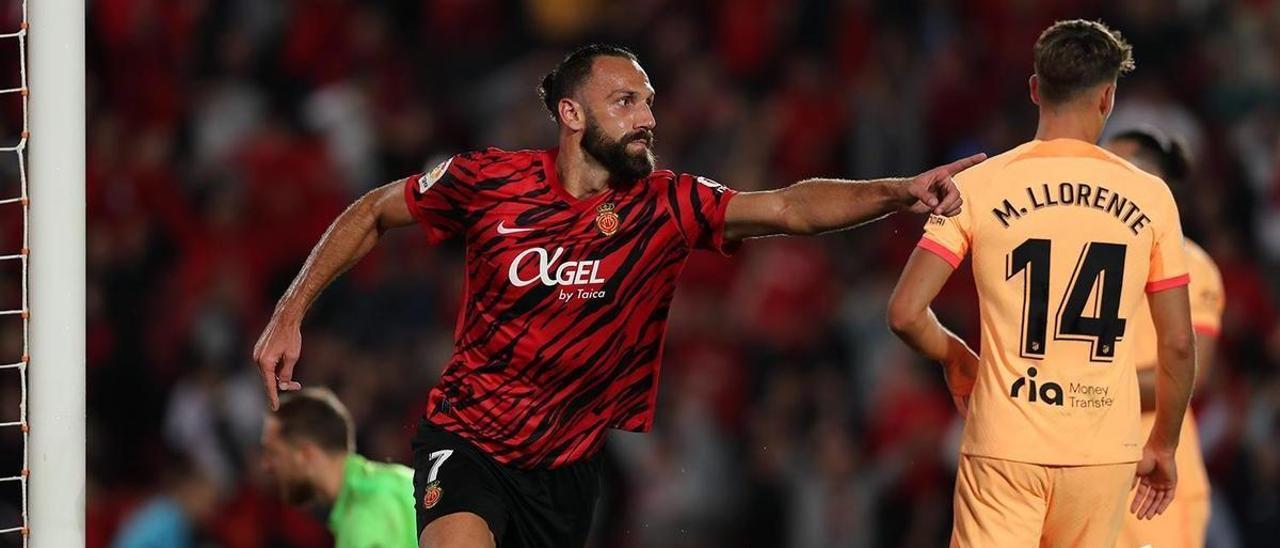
<point x="1206" y="329"/>
<point x="1168" y="283"/>
<point x="725" y="247"/>
<point x="433" y="236"/>
<point x="940" y="250"/>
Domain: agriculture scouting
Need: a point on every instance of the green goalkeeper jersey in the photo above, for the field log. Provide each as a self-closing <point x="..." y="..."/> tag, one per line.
<point x="374" y="509"/>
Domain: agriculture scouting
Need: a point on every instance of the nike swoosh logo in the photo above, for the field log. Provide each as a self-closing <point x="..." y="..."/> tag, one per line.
<point x="504" y="230"/>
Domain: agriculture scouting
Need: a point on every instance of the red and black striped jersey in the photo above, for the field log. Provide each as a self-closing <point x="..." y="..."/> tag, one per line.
<point x="566" y="300"/>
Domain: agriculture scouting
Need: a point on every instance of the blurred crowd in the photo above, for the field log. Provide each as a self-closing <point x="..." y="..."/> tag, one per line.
<point x="224" y="136"/>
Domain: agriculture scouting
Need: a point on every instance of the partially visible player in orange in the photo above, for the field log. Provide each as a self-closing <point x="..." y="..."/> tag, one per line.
<point x="1184" y="523"/>
<point x="1067" y="242"/>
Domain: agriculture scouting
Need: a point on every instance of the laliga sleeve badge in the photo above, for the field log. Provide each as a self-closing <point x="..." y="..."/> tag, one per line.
<point x="425" y="181"/>
<point x="607" y="219"/>
<point x="432" y="496"/>
<point x="710" y="184"/>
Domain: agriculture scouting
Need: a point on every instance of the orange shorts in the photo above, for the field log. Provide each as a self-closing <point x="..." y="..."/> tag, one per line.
<point x="1182" y="525"/>
<point x="1000" y="503"/>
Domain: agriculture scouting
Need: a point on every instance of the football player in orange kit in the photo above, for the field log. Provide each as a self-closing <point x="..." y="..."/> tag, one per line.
<point x="1184" y="523"/>
<point x="1067" y="242"/>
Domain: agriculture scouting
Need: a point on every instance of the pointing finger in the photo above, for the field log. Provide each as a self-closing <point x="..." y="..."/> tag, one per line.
<point x="964" y="163"/>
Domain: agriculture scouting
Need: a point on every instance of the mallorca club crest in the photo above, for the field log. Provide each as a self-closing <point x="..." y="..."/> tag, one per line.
<point x="432" y="496"/>
<point x="607" y="219"/>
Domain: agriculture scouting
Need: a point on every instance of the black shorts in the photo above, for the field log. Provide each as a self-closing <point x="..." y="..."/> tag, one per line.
<point x="533" y="508"/>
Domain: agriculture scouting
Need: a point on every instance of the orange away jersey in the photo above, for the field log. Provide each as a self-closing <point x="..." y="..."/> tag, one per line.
<point x="1207" y="301"/>
<point x="1066" y="239"/>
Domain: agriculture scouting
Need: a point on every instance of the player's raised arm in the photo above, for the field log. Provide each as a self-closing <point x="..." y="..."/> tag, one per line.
<point x="348" y="239"/>
<point x="814" y="206"/>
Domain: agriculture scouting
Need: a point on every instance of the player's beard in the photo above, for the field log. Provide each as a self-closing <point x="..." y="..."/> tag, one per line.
<point x="614" y="156"/>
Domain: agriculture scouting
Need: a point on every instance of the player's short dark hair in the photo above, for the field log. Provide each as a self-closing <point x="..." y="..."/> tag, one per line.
<point x="318" y="416"/>
<point x="1072" y="56"/>
<point x="1155" y="146"/>
<point x="564" y="80"/>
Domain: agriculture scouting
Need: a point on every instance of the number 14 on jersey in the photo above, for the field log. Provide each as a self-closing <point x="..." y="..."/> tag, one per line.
<point x="1089" y="312"/>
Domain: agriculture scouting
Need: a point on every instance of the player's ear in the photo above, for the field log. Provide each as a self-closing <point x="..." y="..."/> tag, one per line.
<point x="1108" y="102"/>
<point x="307" y="451"/>
<point x="572" y="115"/>
<point x="1033" y="84"/>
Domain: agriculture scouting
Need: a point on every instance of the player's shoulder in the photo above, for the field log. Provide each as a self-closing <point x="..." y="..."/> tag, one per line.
<point x="1195" y="252"/>
<point x="1003" y="159"/>
<point x="987" y="173"/>
<point x="1059" y="149"/>
<point x="667" y="177"/>
<point x="665" y="180"/>
<point x="1148" y="180"/>
<point x="1136" y="182"/>
<point x="1199" y="260"/>
<point x="487" y="164"/>
<point x="995" y="164"/>
<point x="1133" y="181"/>
<point x="496" y="156"/>
<point x="664" y="177"/>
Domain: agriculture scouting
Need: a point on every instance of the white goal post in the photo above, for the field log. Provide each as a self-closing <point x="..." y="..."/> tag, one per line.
<point x="56" y="374"/>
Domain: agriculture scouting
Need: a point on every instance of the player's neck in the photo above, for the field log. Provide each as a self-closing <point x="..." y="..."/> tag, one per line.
<point x="581" y="176"/>
<point x="330" y="472"/>
<point x="1067" y="124"/>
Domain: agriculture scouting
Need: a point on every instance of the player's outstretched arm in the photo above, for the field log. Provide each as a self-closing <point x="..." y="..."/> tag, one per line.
<point x="911" y="319"/>
<point x="348" y="239"/>
<point x="1175" y="375"/>
<point x="815" y="206"/>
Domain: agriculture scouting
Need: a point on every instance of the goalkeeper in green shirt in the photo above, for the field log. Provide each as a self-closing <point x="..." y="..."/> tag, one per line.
<point x="309" y="448"/>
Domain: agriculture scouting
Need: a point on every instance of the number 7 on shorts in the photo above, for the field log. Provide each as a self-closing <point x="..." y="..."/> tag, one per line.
<point x="437" y="459"/>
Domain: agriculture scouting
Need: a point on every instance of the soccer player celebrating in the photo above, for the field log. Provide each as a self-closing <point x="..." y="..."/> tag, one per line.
<point x="1066" y="238"/>
<point x="308" y="446"/>
<point x="1184" y="522"/>
<point x="572" y="259"/>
